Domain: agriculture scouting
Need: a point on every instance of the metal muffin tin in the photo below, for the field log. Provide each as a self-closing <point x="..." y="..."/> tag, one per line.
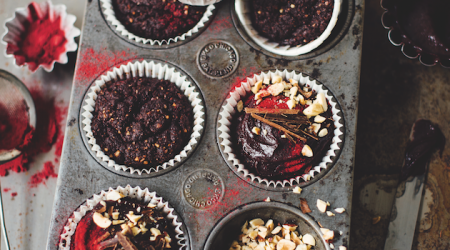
<point x="203" y="189"/>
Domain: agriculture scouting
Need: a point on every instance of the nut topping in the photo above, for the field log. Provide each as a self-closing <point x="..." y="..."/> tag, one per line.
<point x="101" y="221"/>
<point x="322" y="206"/>
<point x="257" y="236"/>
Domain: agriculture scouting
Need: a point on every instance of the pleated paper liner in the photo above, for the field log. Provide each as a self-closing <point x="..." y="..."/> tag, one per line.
<point x="227" y="148"/>
<point x="141" y="195"/>
<point x="243" y="10"/>
<point x="150" y="69"/>
<point x="110" y="16"/>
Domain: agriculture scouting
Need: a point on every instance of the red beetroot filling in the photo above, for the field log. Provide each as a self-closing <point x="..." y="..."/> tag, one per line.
<point x="89" y="236"/>
<point x="270" y="155"/>
<point x="42" y="42"/>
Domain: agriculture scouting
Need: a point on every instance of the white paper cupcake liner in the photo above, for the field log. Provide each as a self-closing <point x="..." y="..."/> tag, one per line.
<point x="228" y="110"/>
<point x="148" y="69"/>
<point x="110" y="16"/>
<point x="137" y="193"/>
<point x="14" y="27"/>
<point x="199" y="2"/>
<point x="243" y="9"/>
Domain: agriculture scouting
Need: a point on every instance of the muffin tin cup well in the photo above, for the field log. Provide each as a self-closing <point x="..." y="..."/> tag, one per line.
<point x="150" y="69"/>
<point x="142" y="195"/>
<point x="243" y="10"/>
<point x="119" y="28"/>
<point x="226" y="146"/>
<point x="228" y="228"/>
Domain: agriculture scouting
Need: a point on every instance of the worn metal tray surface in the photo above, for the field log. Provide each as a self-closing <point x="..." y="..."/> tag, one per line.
<point x="336" y="64"/>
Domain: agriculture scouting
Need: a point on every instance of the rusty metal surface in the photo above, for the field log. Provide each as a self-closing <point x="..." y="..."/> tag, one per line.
<point x="81" y="175"/>
<point x="395" y="92"/>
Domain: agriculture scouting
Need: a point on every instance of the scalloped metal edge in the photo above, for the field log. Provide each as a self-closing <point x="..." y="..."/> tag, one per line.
<point x="228" y="110"/>
<point x="110" y="16"/>
<point x="144" y="69"/>
<point x="13" y="28"/>
<point x="244" y="17"/>
<point x="136" y="193"/>
<point x="402" y="44"/>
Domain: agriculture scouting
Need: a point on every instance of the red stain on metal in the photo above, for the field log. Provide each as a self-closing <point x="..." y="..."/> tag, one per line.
<point x="43" y="175"/>
<point x="221" y="24"/>
<point x="233" y="196"/>
<point x="94" y="62"/>
<point x="6" y="190"/>
<point x="14" y="194"/>
<point x="245" y="73"/>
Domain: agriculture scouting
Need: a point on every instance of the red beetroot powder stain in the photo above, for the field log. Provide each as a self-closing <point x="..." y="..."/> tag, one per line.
<point x="43" y="40"/>
<point x="14" y="194"/>
<point x="233" y="195"/>
<point x="43" y="175"/>
<point x="6" y="190"/>
<point x="238" y="80"/>
<point x="47" y="130"/>
<point x="15" y="131"/>
<point x="221" y="24"/>
<point x="93" y="63"/>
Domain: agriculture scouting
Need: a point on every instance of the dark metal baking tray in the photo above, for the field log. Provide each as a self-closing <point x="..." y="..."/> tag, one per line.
<point x="336" y="64"/>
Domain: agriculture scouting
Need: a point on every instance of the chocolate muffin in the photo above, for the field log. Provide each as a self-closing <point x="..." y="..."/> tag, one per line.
<point x="123" y="223"/>
<point x="291" y="22"/>
<point x="157" y="19"/>
<point x="141" y="122"/>
<point x="276" y="136"/>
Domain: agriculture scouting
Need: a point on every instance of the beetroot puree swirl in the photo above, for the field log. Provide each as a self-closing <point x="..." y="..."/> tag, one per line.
<point x="269" y="155"/>
<point x="42" y="42"/>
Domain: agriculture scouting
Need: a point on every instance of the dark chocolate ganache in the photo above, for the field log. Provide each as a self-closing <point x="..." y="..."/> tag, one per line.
<point x="425" y="24"/>
<point x="138" y="233"/>
<point x="271" y="154"/>
<point x="142" y="122"/>
<point x="424" y="139"/>
<point x="293" y="23"/>
<point x="157" y="19"/>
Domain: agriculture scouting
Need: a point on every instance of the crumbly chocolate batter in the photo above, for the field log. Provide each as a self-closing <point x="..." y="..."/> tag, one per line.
<point x="157" y="19"/>
<point x="89" y="236"/>
<point x="291" y="22"/>
<point x="142" y="122"/>
<point x="269" y="155"/>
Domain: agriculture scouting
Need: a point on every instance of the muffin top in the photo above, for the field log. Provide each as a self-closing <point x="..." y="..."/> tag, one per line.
<point x="282" y="130"/>
<point x="291" y="22"/>
<point x="157" y="19"/>
<point x="142" y="122"/>
<point x="123" y="223"/>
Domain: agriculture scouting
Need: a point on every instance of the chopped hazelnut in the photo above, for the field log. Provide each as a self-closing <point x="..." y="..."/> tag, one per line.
<point x="256" y="130"/>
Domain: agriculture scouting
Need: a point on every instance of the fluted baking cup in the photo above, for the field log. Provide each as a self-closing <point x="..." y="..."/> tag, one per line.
<point x="150" y="69"/>
<point x="110" y="16"/>
<point x="141" y="195"/>
<point x="243" y="9"/>
<point x="415" y="39"/>
<point x="228" y="111"/>
<point x="199" y="2"/>
<point x="15" y="27"/>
